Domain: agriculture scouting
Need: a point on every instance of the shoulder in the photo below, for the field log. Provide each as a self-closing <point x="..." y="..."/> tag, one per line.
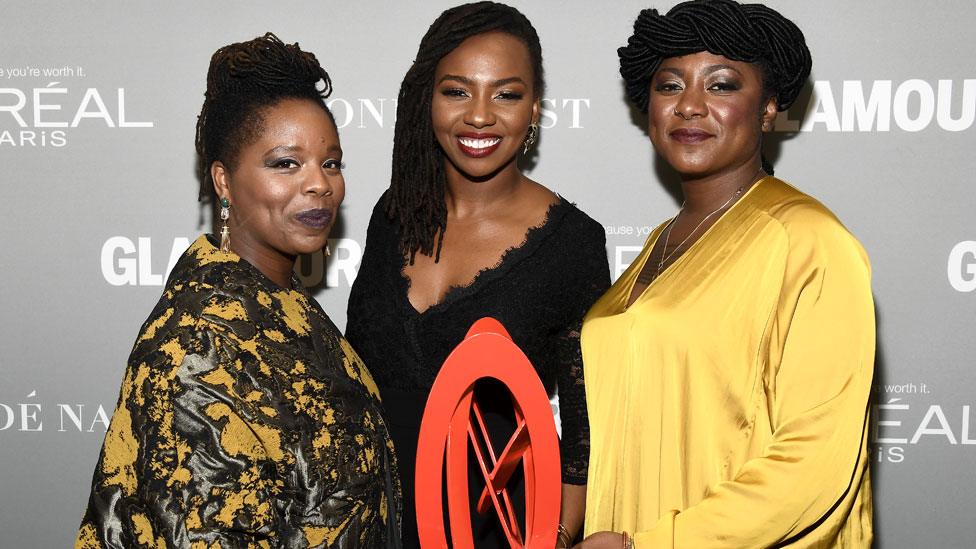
<point x="579" y="242"/>
<point x="380" y="248"/>
<point x="380" y="225"/>
<point x="805" y="223"/>
<point x="576" y="223"/>
<point x="186" y="321"/>
<point x="202" y="267"/>
<point x="379" y="208"/>
<point x="194" y="279"/>
<point x="206" y="287"/>
<point x="797" y="213"/>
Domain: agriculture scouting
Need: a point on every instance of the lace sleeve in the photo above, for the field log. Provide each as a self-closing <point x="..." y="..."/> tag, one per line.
<point x="591" y="278"/>
<point x="574" y="447"/>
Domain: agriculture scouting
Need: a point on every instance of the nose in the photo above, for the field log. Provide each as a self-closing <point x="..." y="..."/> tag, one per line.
<point x="318" y="183"/>
<point x="480" y="113"/>
<point x="691" y="104"/>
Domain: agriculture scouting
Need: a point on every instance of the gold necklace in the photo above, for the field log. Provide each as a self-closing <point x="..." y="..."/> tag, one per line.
<point x="650" y="276"/>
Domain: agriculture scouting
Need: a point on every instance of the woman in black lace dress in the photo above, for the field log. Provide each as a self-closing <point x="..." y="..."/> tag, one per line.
<point x="462" y="234"/>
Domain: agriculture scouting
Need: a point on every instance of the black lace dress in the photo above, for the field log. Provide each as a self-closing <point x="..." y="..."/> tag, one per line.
<point x="539" y="291"/>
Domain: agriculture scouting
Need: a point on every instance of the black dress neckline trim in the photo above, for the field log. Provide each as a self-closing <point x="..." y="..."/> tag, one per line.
<point x="512" y="256"/>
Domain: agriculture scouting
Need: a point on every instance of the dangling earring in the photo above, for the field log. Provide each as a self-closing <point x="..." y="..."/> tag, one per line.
<point x="224" y="230"/>
<point x="530" y="137"/>
<point x="328" y="250"/>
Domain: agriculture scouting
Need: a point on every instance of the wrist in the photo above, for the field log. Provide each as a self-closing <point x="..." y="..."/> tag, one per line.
<point x="563" y="538"/>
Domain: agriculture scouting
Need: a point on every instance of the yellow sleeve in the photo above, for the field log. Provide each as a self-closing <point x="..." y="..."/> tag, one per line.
<point x="817" y="383"/>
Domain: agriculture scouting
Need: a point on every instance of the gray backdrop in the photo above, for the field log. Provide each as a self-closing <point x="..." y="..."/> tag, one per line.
<point x="98" y="102"/>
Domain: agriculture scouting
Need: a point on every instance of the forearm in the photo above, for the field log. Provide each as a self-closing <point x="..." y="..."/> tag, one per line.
<point x="572" y="508"/>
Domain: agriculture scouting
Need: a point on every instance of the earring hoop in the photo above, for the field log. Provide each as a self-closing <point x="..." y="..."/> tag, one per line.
<point x="530" y="137"/>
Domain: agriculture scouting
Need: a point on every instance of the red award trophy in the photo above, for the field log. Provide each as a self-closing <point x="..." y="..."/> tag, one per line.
<point x="452" y="417"/>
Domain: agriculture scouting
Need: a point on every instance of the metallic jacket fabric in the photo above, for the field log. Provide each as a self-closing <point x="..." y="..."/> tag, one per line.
<point x="244" y="420"/>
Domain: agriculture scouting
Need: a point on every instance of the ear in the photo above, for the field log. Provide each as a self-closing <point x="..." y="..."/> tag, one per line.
<point x="221" y="180"/>
<point x="536" y="110"/>
<point x="768" y="115"/>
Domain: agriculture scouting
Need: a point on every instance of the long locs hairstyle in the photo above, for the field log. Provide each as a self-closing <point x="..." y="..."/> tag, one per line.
<point x="415" y="200"/>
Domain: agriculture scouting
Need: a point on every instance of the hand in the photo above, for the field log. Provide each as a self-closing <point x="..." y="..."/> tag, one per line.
<point x="602" y="540"/>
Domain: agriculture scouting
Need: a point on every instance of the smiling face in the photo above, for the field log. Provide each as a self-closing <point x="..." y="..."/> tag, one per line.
<point x="286" y="185"/>
<point x="707" y="113"/>
<point x="483" y="104"/>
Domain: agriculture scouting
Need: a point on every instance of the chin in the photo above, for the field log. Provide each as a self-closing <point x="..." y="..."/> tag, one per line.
<point x="309" y="245"/>
<point x="481" y="170"/>
<point x="690" y="167"/>
<point x="692" y="171"/>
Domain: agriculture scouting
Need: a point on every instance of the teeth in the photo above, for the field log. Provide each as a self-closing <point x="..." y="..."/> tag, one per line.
<point x="479" y="143"/>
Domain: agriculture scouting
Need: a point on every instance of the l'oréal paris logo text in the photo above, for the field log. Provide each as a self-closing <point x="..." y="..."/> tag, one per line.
<point x="905" y="415"/>
<point x="881" y="105"/>
<point x="136" y="261"/>
<point x="567" y="112"/>
<point x="44" y="116"/>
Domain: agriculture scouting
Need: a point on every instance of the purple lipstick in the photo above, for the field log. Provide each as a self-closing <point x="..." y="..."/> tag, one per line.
<point x="318" y="218"/>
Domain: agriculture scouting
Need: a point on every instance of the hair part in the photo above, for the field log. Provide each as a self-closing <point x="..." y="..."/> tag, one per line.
<point x="244" y="80"/>
<point x="415" y="200"/>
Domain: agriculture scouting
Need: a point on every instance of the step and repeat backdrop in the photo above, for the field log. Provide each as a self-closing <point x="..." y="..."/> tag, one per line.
<point x="98" y="102"/>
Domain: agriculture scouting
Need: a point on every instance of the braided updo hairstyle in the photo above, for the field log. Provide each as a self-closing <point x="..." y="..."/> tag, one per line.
<point x="752" y="33"/>
<point x="243" y="80"/>
<point x="415" y="200"/>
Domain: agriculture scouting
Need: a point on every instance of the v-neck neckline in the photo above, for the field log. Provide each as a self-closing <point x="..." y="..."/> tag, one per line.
<point x="534" y="236"/>
<point x="690" y="250"/>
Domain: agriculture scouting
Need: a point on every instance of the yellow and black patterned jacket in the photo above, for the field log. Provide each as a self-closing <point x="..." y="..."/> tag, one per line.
<point x="245" y="420"/>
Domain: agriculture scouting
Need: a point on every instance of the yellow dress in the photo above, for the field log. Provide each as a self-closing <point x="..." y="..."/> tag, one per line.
<point x="728" y="405"/>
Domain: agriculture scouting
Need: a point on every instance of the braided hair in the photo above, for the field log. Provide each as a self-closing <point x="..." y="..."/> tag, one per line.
<point x="243" y="80"/>
<point x="415" y="200"/>
<point x="752" y="33"/>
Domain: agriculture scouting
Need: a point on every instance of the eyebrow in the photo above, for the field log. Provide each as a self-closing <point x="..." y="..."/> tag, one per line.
<point x="293" y="148"/>
<point x="282" y="149"/>
<point x="468" y="82"/>
<point x="715" y="68"/>
<point x="674" y="71"/>
<point x="708" y="70"/>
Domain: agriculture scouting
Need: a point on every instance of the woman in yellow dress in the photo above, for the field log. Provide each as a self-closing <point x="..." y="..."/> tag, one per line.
<point x="728" y="370"/>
